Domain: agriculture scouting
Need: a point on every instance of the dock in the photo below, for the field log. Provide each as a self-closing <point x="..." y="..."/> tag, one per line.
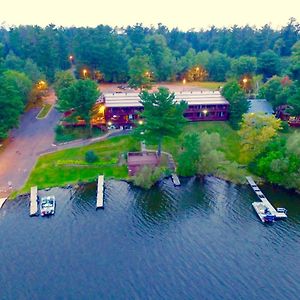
<point x="175" y="179"/>
<point x="264" y="200"/>
<point x="33" y="201"/>
<point x="100" y="189"/>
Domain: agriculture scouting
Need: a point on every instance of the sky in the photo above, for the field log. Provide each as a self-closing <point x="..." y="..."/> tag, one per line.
<point x="184" y="14"/>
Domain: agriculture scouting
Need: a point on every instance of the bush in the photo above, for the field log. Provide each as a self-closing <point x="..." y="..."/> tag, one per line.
<point x="147" y="177"/>
<point x="91" y="157"/>
<point x="59" y="130"/>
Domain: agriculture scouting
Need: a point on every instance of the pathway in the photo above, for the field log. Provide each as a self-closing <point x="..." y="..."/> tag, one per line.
<point x="26" y="142"/>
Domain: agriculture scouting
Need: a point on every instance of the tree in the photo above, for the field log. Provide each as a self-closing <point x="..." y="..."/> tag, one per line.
<point x="139" y="71"/>
<point x="189" y="157"/>
<point x="268" y="64"/>
<point x="218" y="66"/>
<point x="294" y="102"/>
<point x="244" y="65"/>
<point x="257" y="130"/>
<point x="162" y="116"/>
<point x="211" y="159"/>
<point x="63" y="79"/>
<point x="238" y="102"/>
<point x="81" y="95"/>
<point x="11" y="106"/>
<point x="20" y="83"/>
<point x="295" y="61"/>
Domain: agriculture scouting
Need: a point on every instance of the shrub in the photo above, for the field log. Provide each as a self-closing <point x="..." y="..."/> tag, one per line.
<point x="59" y="130"/>
<point x="91" y="157"/>
<point x="147" y="177"/>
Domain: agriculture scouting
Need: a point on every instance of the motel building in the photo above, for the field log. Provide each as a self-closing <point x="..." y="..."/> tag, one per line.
<point x="121" y="110"/>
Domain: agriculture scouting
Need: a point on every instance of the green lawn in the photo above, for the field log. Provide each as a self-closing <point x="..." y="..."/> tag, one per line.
<point x="69" y="166"/>
<point x="44" y="111"/>
<point x="51" y="170"/>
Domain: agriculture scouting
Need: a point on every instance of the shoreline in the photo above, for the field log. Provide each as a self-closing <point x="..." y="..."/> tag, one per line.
<point x="70" y="185"/>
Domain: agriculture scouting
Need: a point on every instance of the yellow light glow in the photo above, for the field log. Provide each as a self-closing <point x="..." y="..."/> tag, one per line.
<point x="109" y="123"/>
<point x="184" y="81"/>
<point x="245" y="80"/>
<point x="205" y="111"/>
<point x="197" y="69"/>
<point x="141" y="122"/>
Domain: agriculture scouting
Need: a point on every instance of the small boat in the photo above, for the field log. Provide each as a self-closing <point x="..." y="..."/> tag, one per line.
<point x="47" y="206"/>
<point x="263" y="212"/>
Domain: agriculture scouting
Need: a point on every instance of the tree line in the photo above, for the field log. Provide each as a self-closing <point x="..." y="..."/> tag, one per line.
<point x="169" y="54"/>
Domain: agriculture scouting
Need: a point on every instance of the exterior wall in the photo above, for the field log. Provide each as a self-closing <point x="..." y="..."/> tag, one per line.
<point x="120" y="116"/>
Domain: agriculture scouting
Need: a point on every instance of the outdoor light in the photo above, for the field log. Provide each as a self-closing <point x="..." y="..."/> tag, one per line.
<point x="141" y="122"/>
<point x="245" y="80"/>
<point x="184" y="81"/>
<point x="205" y="111"/>
<point x="197" y="69"/>
<point x="84" y="71"/>
<point x="109" y="123"/>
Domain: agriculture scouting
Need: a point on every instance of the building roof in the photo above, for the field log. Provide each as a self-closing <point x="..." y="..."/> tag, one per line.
<point x="260" y="105"/>
<point x="192" y="98"/>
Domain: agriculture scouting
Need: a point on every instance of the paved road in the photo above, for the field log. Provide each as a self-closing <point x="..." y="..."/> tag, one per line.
<point x="32" y="137"/>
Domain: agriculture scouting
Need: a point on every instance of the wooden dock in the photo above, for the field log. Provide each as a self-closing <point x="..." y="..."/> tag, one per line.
<point x="264" y="200"/>
<point x="100" y="190"/>
<point x="175" y="179"/>
<point x="33" y="201"/>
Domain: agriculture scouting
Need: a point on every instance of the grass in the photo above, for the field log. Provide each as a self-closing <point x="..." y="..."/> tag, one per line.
<point x="44" y="111"/>
<point x="69" y="166"/>
<point x="67" y="134"/>
<point x="48" y="173"/>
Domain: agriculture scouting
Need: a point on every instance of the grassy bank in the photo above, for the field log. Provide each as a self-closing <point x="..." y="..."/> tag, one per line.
<point x="69" y="166"/>
<point x="211" y="85"/>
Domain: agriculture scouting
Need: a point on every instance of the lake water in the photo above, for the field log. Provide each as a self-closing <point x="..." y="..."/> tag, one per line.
<point x="198" y="241"/>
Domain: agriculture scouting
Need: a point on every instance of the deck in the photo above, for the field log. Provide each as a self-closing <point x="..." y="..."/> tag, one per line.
<point x="33" y="201"/>
<point x="264" y="200"/>
<point x="100" y="188"/>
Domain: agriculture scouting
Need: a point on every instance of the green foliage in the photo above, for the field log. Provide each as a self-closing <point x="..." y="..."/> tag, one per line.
<point x="20" y="83"/>
<point x="268" y="64"/>
<point x="11" y="105"/>
<point x="244" y="65"/>
<point x="139" y="71"/>
<point x="91" y="157"/>
<point x="218" y="65"/>
<point x="189" y="157"/>
<point x="256" y="132"/>
<point x="280" y="162"/>
<point x="63" y="80"/>
<point x="146" y="177"/>
<point x="295" y="61"/>
<point x="163" y="116"/>
<point x="80" y="95"/>
<point x="238" y="102"/>
<point x="294" y="102"/>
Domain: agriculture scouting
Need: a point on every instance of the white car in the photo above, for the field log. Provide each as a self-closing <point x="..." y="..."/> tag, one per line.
<point x="47" y="206"/>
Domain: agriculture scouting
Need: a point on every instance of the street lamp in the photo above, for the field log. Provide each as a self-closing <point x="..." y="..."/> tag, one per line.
<point x="141" y="122"/>
<point x="84" y="71"/>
